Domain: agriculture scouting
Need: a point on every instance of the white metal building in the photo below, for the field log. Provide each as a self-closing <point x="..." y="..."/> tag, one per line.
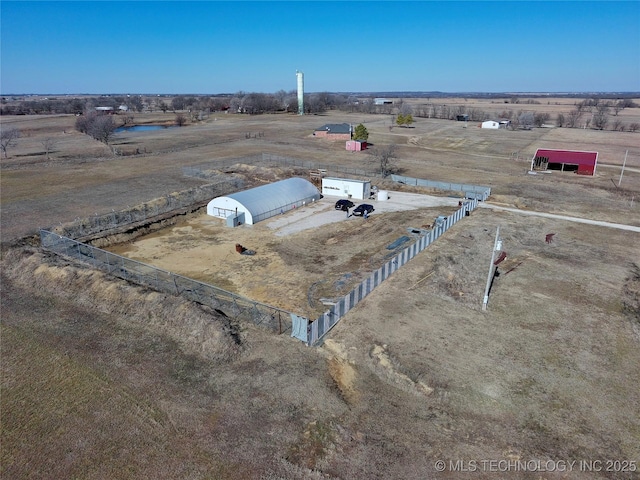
<point x="490" y="124"/>
<point x="346" y="188"/>
<point x="262" y="202"/>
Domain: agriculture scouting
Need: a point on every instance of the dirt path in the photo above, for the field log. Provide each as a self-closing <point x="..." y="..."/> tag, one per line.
<point x="620" y="226"/>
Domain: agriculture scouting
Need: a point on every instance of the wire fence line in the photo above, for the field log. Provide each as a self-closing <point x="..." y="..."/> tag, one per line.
<point x="313" y="332"/>
<point x="230" y="304"/>
<point x="205" y="170"/>
<point x="470" y="191"/>
<point x="208" y="169"/>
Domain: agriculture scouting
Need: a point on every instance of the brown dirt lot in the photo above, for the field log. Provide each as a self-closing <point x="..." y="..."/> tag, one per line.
<point x="303" y="256"/>
<point x="104" y="379"/>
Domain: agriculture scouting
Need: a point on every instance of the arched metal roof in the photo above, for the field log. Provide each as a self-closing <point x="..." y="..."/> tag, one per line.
<point x="262" y="202"/>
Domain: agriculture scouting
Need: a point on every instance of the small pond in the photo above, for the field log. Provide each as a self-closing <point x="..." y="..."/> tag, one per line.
<point x="141" y="128"/>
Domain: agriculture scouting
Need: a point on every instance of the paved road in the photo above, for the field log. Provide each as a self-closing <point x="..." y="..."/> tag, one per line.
<point x="562" y="217"/>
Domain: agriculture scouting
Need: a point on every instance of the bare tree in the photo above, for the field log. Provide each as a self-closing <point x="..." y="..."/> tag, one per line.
<point x="573" y="117"/>
<point x="102" y="128"/>
<point x="367" y="105"/>
<point x="526" y="120"/>
<point x="127" y="119"/>
<point x="539" y="119"/>
<point x="235" y="104"/>
<point x="8" y="138"/>
<point x="443" y="112"/>
<point x="178" y="103"/>
<point x="634" y="126"/>
<point x="560" y="121"/>
<point x="405" y="109"/>
<point x="136" y="102"/>
<point x="181" y="119"/>
<point x="385" y="108"/>
<point x="291" y="103"/>
<point x="48" y="143"/>
<point x="514" y="122"/>
<point x="617" y="106"/>
<point x="601" y="116"/>
<point x="385" y="157"/>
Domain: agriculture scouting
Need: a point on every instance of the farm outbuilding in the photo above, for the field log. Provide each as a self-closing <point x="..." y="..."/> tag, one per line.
<point x="490" y="124"/>
<point x="356" y="145"/>
<point x="346" y="188"/>
<point x="582" y="163"/>
<point x="263" y="202"/>
<point x="334" y="131"/>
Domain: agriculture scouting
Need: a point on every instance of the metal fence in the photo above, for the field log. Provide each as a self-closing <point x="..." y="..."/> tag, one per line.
<point x="230" y="304"/>
<point x="470" y="191"/>
<point x="316" y="330"/>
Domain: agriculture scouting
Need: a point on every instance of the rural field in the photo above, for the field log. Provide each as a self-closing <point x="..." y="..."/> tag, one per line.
<point x="105" y="379"/>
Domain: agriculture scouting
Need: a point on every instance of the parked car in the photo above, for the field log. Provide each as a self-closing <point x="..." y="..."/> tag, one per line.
<point x="362" y="208"/>
<point x="344" y="204"/>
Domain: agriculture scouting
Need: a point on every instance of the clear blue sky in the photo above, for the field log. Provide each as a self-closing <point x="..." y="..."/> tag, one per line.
<point x="224" y="47"/>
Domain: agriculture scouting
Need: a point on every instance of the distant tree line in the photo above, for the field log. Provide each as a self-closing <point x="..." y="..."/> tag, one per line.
<point x="240" y="102"/>
<point x="595" y="112"/>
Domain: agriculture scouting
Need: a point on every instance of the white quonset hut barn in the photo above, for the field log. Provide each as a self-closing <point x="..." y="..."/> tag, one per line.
<point x="260" y="203"/>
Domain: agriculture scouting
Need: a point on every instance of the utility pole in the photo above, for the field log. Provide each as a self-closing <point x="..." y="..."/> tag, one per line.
<point x="623" y="164"/>
<point x="497" y="246"/>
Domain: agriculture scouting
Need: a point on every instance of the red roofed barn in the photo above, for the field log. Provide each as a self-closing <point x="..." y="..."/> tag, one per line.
<point x="583" y="163"/>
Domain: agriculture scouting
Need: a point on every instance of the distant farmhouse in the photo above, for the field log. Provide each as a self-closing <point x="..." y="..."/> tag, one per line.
<point x="334" y="131"/>
<point x="495" y="124"/>
<point x="382" y="101"/>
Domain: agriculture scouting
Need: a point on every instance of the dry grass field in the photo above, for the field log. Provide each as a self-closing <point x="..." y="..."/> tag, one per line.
<point x="102" y="379"/>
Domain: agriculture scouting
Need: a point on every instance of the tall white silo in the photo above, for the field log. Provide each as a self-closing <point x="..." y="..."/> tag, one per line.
<point x="300" y="77"/>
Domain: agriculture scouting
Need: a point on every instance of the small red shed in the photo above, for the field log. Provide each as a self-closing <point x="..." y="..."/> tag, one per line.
<point x="582" y="163"/>
<point x="356" y="145"/>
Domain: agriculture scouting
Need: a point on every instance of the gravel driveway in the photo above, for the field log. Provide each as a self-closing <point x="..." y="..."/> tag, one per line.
<point x="323" y="212"/>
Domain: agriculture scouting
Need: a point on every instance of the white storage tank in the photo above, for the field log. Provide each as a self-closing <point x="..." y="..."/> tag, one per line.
<point x="383" y="195"/>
